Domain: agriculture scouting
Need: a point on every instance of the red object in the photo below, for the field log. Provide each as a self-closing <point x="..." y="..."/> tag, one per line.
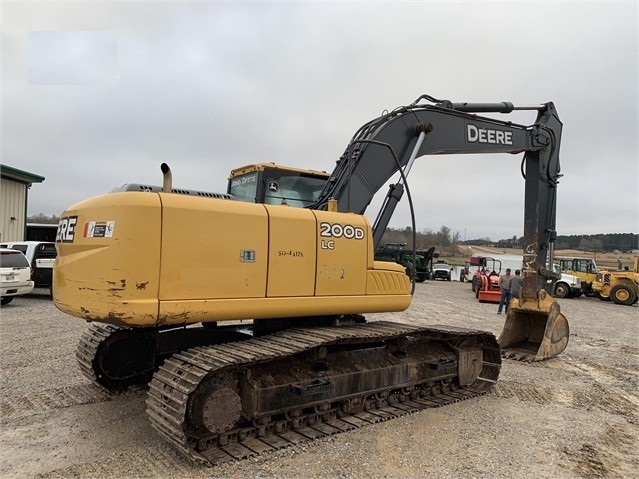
<point x="489" y="290"/>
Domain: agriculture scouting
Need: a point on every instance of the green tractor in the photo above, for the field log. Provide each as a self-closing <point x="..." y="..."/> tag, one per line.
<point x="397" y="252"/>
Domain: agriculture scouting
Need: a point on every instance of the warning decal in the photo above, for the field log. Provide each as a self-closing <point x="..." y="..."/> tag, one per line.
<point x="99" y="229"/>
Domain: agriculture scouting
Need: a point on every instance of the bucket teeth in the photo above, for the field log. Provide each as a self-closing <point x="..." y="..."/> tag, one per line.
<point x="516" y="356"/>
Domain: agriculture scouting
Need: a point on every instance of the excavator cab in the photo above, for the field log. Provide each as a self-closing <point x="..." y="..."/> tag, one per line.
<point x="273" y="184"/>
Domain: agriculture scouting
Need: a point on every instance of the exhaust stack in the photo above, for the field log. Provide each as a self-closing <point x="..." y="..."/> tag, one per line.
<point x="167" y="178"/>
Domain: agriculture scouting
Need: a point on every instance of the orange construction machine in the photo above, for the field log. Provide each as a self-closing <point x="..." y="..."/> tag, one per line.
<point x="486" y="279"/>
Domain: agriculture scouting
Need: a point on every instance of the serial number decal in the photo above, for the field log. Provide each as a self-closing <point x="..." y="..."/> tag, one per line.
<point x="294" y="254"/>
<point x="99" y="229"/>
<point x="486" y="135"/>
<point x="66" y="229"/>
<point x="335" y="230"/>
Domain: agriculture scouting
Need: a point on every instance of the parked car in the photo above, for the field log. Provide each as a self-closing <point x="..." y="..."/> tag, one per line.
<point x="41" y="256"/>
<point x="442" y="270"/>
<point x="15" y="275"/>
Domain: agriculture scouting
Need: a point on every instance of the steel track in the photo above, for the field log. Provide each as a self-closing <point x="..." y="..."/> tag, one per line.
<point x="87" y="349"/>
<point x="177" y="379"/>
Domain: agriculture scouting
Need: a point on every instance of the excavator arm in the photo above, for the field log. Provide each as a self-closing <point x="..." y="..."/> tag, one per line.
<point x="391" y="143"/>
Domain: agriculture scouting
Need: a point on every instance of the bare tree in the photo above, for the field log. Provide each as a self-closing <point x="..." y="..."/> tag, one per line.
<point x="443" y="237"/>
<point x="454" y="243"/>
<point x="43" y="219"/>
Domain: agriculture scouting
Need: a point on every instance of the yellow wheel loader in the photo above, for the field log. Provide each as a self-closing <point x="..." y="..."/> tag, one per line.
<point x="244" y="310"/>
<point x="622" y="287"/>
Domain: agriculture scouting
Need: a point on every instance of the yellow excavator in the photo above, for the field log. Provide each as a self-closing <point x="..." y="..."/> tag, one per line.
<point x="243" y="311"/>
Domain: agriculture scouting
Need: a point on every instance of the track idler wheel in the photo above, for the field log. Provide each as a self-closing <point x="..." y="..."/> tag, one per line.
<point x="534" y="330"/>
<point x="215" y="407"/>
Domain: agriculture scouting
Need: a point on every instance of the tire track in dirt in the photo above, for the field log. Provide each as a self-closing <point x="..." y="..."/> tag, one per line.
<point x="151" y="464"/>
<point x="596" y="397"/>
<point x="606" y="457"/>
<point x="49" y="399"/>
<point x="603" y="459"/>
<point x="600" y="343"/>
<point x="613" y="388"/>
<point x="587" y="460"/>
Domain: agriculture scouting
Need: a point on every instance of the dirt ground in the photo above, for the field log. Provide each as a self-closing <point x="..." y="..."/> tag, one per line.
<point x="575" y="416"/>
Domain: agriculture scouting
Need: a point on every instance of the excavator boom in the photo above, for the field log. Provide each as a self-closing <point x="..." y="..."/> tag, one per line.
<point x="534" y="329"/>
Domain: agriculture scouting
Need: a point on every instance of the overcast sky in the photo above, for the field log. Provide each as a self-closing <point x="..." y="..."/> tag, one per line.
<point x="95" y="95"/>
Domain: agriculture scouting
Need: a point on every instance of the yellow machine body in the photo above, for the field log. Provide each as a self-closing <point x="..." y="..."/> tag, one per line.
<point x="622" y="287"/>
<point x="144" y="259"/>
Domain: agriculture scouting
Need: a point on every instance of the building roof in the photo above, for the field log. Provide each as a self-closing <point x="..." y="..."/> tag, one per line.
<point x="19" y="175"/>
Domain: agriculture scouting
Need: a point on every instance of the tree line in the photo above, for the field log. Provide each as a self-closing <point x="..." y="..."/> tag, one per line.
<point x="43" y="219"/>
<point x="600" y="243"/>
<point x="447" y="241"/>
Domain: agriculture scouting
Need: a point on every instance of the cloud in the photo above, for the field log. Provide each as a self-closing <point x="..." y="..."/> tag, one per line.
<point x="207" y="87"/>
<point x="72" y="58"/>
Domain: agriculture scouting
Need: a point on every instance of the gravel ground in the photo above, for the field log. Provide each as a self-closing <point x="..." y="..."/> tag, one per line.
<point x="573" y="416"/>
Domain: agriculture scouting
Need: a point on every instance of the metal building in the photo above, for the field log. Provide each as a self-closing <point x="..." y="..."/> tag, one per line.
<point x="14" y="189"/>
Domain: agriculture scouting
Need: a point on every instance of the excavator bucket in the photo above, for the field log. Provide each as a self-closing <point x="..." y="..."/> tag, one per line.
<point x="535" y="329"/>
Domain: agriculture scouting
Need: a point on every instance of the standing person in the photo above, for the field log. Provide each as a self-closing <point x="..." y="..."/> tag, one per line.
<point x="504" y="285"/>
<point x="515" y="284"/>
